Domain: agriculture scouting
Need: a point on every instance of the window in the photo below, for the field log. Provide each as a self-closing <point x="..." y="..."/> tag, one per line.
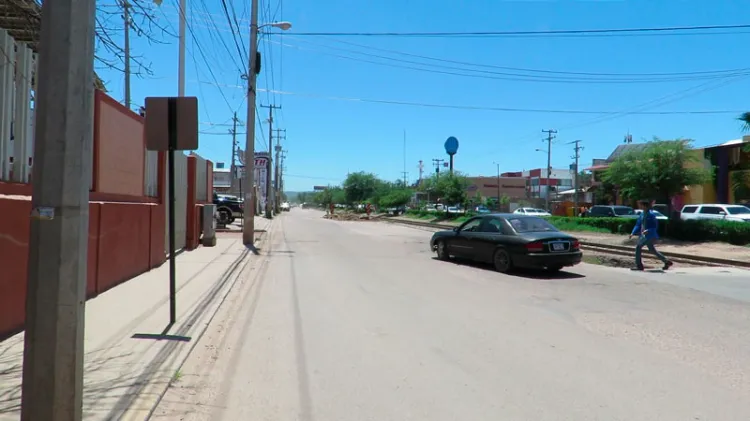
<point x="531" y="224"/>
<point x="738" y="210"/>
<point x="711" y="210"/>
<point x="689" y="209"/>
<point x="601" y="210"/>
<point x="472" y="225"/>
<point x="623" y="210"/>
<point x="494" y="225"/>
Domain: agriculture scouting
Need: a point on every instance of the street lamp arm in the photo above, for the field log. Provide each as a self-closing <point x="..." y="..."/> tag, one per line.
<point x="283" y="25"/>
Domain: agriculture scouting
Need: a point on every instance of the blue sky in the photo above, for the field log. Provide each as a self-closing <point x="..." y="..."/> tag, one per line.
<point x="328" y="134"/>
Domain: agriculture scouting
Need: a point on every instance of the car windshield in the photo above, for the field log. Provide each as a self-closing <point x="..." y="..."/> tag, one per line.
<point x="531" y="225"/>
<point x="738" y="210"/>
<point x="623" y="210"/>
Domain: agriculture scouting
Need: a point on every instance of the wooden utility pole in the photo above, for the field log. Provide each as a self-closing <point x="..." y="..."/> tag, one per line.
<point x="576" y="180"/>
<point x="269" y="166"/>
<point x="550" y="135"/>
<point x="277" y="169"/>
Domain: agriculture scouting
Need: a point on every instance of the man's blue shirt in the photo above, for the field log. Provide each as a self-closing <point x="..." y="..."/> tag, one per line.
<point x="648" y="220"/>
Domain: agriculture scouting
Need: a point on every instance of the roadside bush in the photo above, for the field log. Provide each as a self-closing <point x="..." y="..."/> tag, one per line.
<point x="737" y="233"/>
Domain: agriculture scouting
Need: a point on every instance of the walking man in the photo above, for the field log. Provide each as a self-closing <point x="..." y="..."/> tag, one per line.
<point x="646" y="228"/>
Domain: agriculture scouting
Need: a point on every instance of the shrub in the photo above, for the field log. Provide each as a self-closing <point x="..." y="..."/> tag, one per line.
<point x="737" y="233"/>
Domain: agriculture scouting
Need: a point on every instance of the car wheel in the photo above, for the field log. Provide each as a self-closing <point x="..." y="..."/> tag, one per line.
<point x="442" y="250"/>
<point x="502" y="261"/>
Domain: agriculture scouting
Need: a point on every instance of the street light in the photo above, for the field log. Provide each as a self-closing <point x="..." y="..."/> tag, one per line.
<point x="283" y="25"/>
<point x="248" y="229"/>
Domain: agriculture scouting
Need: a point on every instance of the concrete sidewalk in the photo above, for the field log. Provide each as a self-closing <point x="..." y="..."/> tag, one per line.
<point x="130" y="357"/>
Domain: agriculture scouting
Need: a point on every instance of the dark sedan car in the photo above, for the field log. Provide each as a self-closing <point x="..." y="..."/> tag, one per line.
<point x="508" y="241"/>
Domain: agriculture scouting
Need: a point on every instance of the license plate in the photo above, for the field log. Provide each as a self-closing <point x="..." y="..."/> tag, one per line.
<point x="558" y="246"/>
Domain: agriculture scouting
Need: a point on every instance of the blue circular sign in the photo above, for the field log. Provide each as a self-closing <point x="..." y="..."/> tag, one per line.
<point x="451" y="146"/>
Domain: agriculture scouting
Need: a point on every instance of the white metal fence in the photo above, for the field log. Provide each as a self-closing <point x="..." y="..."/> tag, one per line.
<point x="180" y="183"/>
<point x="151" y="178"/>
<point x="201" y="182"/>
<point x="17" y="69"/>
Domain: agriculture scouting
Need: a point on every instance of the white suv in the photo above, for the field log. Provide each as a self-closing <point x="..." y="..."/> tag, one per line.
<point x="716" y="211"/>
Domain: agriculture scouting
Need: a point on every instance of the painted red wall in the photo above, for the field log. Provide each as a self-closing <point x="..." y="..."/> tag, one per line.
<point x="14" y="258"/>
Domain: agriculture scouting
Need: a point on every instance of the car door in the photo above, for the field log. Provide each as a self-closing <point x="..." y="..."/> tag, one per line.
<point x="490" y="234"/>
<point x="462" y="245"/>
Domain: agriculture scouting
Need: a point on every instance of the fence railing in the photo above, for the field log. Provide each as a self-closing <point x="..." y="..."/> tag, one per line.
<point x="151" y="180"/>
<point x="201" y="181"/>
<point x="17" y="69"/>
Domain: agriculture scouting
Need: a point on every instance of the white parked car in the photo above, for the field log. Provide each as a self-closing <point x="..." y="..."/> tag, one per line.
<point x="660" y="216"/>
<point x="285" y="207"/>
<point x="532" y="211"/>
<point x="716" y="211"/>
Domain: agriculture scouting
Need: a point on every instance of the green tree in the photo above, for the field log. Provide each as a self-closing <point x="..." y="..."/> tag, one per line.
<point x="452" y="189"/>
<point x="395" y="198"/>
<point x="302" y="197"/>
<point x="745" y="120"/>
<point x="659" y="171"/>
<point x="360" y="186"/>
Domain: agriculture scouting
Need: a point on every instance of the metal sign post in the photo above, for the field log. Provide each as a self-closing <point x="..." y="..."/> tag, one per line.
<point x="451" y="147"/>
<point x="171" y="125"/>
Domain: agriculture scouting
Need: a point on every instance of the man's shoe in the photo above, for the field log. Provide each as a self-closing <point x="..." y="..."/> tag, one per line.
<point x="667" y="265"/>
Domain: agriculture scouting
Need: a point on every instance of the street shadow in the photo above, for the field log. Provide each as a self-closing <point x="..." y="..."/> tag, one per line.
<point x="517" y="272"/>
<point x="113" y="376"/>
<point x="252" y="249"/>
<point x="163" y="336"/>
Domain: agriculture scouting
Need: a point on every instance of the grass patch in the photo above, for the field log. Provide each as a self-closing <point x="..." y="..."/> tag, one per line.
<point x="575" y="226"/>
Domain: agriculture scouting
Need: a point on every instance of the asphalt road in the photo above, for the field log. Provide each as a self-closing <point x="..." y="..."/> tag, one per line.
<point x="357" y="321"/>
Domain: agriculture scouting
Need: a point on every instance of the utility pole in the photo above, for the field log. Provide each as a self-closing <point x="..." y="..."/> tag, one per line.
<point x="576" y="180"/>
<point x="52" y="387"/>
<point x="233" y="166"/>
<point x="421" y="171"/>
<point x="437" y="162"/>
<point x="181" y="44"/>
<point x="277" y="170"/>
<point x="283" y="169"/>
<point x="405" y="176"/>
<point x="269" y="187"/>
<point x="248" y="227"/>
<point x="550" y="135"/>
<point x="126" y="48"/>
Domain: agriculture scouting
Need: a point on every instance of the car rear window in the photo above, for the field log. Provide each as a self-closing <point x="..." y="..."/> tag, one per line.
<point x="532" y="224"/>
<point x="689" y="209"/>
<point x="738" y="210"/>
<point x="623" y="210"/>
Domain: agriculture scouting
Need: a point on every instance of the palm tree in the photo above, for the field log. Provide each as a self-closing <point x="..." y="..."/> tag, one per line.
<point x="744" y="118"/>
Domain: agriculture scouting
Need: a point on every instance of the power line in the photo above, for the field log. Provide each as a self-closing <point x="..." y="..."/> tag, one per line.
<point x="519" y="69"/>
<point x="495" y="75"/>
<point x="610" y="31"/>
<point x="503" y="109"/>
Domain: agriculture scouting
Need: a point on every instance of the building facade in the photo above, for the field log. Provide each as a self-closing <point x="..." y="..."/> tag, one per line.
<point x="495" y="187"/>
<point x="539" y="185"/>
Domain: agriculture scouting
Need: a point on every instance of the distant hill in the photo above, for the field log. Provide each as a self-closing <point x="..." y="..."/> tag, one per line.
<point x="293" y="196"/>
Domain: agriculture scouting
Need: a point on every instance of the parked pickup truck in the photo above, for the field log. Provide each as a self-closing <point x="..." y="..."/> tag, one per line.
<point x="228" y="208"/>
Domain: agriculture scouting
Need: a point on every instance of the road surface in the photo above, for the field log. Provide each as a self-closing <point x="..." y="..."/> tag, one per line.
<point x="357" y="321"/>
